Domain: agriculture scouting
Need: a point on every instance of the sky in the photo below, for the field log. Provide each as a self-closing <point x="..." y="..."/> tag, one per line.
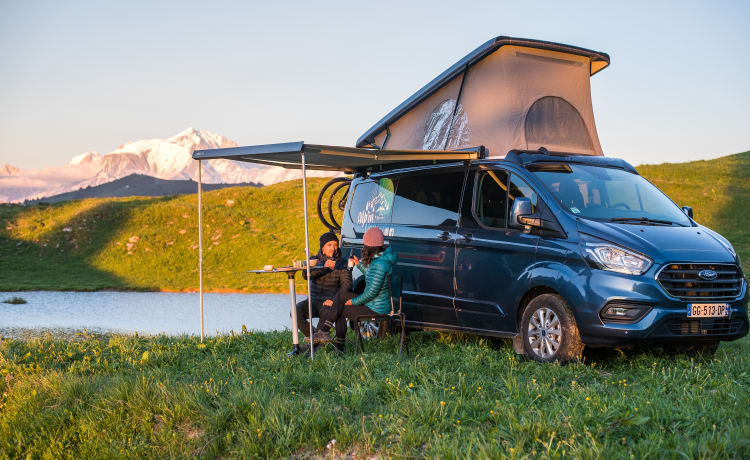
<point x="82" y="76"/>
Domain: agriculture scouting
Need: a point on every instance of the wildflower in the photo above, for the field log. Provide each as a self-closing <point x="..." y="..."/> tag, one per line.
<point x="442" y="403"/>
<point x="636" y="409"/>
<point x="588" y="399"/>
<point x="458" y="421"/>
<point x="453" y="388"/>
<point x="479" y="388"/>
<point x="492" y="412"/>
<point x="331" y="444"/>
<point x="411" y="385"/>
<point x="533" y="380"/>
<point x="380" y="415"/>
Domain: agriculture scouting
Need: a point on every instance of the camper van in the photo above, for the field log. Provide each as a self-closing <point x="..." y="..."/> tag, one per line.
<point x="543" y="240"/>
<point x="509" y="221"/>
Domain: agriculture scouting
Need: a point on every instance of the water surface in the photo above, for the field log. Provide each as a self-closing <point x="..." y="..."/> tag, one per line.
<point x="145" y="312"/>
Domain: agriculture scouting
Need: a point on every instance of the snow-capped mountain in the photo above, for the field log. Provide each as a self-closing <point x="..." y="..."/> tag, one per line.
<point x="161" y="158"/>
<point x="7" y="170"/>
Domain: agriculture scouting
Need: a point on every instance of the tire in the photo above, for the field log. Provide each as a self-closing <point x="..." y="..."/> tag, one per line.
<point x="706" y="349"/>
<point x="558" y="339"/>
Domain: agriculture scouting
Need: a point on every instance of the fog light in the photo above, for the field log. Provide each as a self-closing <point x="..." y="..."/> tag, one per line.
<point x="624" y="312"/>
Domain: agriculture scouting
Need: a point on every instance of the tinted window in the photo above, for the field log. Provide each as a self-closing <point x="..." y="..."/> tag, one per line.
<point x="467" y="216"/>
<point x="518" y="189"/>
<point x="428" y="199"/>
<point x="372" y="203"/>
<point x="490" y="206"/>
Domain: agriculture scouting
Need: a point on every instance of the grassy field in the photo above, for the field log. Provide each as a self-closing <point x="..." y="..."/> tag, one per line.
<point x="151" y="243"/>
<point x="238" y="396"/>
<point x="455" y="396"/>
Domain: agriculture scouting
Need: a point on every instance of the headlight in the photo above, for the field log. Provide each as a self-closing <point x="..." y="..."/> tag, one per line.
<point x="607" y="256"/>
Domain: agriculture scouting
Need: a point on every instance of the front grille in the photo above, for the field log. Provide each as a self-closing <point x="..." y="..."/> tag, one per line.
<point x="682" y="281"/>
<point x="705" y="326"/>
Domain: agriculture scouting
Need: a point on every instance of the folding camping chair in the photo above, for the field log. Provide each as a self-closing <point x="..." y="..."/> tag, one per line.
<point x="394" y="286"/>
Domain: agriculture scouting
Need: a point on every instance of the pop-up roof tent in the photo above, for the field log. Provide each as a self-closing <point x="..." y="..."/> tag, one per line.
<point x="510" y="93"/>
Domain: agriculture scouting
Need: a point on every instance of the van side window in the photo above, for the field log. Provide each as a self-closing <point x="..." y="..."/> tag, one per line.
<point x="490" y="207"/>
<point x="518" y="189"/>
<point x="428" y="199"/>
<point x="372" y="203"/>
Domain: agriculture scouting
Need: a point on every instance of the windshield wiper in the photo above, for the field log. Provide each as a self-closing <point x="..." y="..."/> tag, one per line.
<point x="642" y="219"/>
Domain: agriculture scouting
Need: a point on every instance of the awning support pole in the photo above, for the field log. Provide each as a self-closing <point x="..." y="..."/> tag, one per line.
<point x="200" y="242"/>
<point x="307" y="256"/>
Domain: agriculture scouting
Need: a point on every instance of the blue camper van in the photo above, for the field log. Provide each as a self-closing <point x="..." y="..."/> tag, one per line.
<point x="556" y="251"/>
<point x="492" y="186"/>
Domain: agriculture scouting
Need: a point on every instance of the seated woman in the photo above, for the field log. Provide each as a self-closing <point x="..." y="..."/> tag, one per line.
<point x="377" y="263"/>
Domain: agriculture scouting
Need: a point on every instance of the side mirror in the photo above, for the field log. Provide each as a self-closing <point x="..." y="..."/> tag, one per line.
<point x="688" y="210"/>
<point x="522" y="213"/>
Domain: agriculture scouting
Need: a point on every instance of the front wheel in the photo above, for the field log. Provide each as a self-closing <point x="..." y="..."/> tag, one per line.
<point x="549" y="330"/>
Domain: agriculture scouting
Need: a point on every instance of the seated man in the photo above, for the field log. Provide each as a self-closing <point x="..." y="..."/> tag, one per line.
<point x="325" y="284"/>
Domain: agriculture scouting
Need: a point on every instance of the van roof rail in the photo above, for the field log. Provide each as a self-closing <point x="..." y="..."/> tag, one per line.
<point x="542" y="155"/>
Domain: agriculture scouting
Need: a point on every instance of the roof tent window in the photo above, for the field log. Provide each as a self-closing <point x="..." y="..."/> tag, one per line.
<point x="443" y="129"/>
<point x="553" y="121"/>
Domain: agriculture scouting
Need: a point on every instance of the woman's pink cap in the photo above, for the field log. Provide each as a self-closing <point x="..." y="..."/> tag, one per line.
<point x="373" y="237"/>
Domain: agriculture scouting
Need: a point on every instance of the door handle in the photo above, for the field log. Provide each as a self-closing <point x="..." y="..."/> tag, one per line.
<point x="444" y="236"/>
<point x="466" y="237"/>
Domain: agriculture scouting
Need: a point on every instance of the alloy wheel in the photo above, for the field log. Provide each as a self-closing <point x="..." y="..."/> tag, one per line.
<point x="369" y="329"/>
<point x="544" y="332"/>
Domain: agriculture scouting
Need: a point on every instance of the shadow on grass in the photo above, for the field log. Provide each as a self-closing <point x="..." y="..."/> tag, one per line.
<point x="61" y="256"/>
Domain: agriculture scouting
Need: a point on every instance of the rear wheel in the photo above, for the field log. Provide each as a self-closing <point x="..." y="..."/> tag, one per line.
<point x="549" y="330"/>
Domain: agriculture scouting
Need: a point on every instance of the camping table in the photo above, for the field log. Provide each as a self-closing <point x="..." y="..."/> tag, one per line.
<point x="290" y="272"/>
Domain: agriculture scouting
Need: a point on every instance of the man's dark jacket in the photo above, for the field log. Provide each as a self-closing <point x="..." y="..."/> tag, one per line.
<point x="327" y="282"/>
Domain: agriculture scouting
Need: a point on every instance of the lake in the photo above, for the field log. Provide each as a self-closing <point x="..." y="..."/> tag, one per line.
<point x="146" y="312"/>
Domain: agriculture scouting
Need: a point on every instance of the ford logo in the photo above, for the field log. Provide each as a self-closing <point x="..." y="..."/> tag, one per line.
<point x="708" y="275"/>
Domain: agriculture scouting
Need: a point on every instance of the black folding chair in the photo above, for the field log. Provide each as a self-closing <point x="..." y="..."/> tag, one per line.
<point x="394" y="286"/>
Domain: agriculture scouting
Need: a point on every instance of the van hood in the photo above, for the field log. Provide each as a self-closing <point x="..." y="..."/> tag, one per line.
<point x="661" y="243"/>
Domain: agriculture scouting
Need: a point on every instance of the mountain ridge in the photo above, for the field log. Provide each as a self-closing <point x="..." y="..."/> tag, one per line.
<point x="166" y="159"/>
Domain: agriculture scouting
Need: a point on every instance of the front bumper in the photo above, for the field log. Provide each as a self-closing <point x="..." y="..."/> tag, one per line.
<point x="667" y="320"/>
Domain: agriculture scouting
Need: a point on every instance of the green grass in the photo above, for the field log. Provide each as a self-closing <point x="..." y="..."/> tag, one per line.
<point x="453" y="397"/>
<point x="151" y="243"/>
<point x="15" y="300"/>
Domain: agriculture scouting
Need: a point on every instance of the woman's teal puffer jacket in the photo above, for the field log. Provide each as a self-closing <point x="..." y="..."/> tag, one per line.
<point x="377" y="296"/>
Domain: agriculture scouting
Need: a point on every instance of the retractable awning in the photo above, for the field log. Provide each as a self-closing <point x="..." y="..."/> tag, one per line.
<point x="298" y="155"/>
<point x="332" y="157"/>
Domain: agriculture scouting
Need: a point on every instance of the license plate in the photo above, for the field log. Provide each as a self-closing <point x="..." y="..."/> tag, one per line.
<point x="708" y="310"/>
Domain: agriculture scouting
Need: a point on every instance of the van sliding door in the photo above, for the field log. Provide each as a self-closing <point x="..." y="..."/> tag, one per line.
<point x="425" y="215"/>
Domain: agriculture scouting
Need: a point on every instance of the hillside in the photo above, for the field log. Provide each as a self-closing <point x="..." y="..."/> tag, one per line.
<point x="151" y="243"/>
<point x="136" y="185"/>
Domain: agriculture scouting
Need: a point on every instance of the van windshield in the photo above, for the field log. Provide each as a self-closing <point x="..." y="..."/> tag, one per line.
<point x="608" y="194"/>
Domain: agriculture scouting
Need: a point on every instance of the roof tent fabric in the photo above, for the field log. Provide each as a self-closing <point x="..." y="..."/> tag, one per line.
<point x="331" y="157"/>
<point x="509" y="93"/>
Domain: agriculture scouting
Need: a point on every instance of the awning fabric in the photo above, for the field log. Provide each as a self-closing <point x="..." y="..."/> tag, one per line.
<point x="331" y="157"/>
